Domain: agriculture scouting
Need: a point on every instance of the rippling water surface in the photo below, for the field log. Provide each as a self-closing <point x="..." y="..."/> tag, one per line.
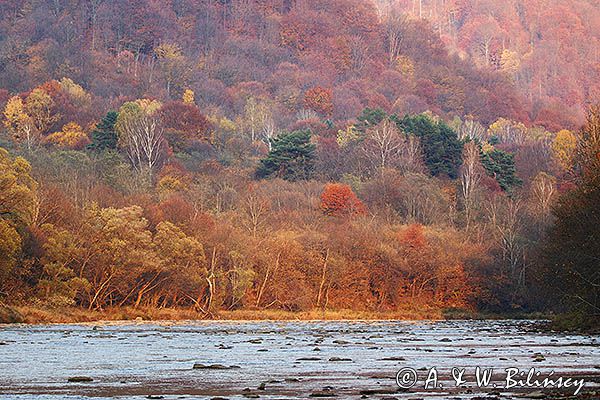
<point x="276" y="360"/>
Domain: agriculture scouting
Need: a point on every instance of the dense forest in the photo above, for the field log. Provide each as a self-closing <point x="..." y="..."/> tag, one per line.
<point x="300" y="155"/>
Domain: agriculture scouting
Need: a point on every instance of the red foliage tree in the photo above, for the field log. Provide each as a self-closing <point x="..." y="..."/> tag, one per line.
<point x="413" y="237"/>
<point x="184" y="119"/>
<point x="338" y="199"/>
<point x="320" y="100"/>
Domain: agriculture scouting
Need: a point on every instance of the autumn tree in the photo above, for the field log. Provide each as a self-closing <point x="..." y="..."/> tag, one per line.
<point x="258" y="121"/>
<point x="543" y="191"/>
<point x="319" y="99"/>
<point x="39" y="106"/>
<point x="184" y="124"/>
<point x="256" y="209"/>
<point x="17" y="189"/>
<point x="564" y="147"/>
<point x="70" y="137"/>
<point x="339" y="200"/>
<point x="20" y="124"/>
<point x="18" y="203"/>
<point x="570" y="267"/>
<point x="10" y="252"/>
<point x="173" y="65"/>
<point x="182" y="264"/>
<point x="188" y="96"/>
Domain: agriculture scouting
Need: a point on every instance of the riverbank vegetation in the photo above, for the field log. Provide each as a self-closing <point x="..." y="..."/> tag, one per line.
<point x="205" y="160"/>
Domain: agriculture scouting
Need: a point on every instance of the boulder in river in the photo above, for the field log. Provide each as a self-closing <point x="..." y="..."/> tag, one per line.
<point x="214" y="366"/>
<point x="538" y="358"/>
<point x="338" y="341"/>
<point x="393" y="359"/>
<point x="80" y="379"/>
<point x="371" y="392"/>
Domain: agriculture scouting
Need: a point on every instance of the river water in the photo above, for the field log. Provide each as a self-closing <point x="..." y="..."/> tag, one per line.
<point x="288" y="360"/>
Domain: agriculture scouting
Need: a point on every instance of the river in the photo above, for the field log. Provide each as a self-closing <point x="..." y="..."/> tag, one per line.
<point x="289" y="360"/>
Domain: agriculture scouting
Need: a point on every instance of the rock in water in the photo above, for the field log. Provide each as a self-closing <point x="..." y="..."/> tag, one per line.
<point x="80" y="379"/>
<point x="214" y="366"/>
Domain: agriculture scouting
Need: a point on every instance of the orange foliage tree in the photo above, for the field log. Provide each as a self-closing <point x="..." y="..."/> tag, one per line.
<point x="338" y="199"/>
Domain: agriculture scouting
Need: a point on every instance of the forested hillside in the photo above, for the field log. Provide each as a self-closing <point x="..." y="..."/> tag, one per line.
<point x="547" y="48"/>
<point x="289" y="155"/>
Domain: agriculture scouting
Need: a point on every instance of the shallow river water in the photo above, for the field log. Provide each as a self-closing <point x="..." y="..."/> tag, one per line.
<point x="287" y="360"/>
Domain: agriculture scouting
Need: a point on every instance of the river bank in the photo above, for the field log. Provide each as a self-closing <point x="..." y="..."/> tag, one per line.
<point x="65" y="315"/>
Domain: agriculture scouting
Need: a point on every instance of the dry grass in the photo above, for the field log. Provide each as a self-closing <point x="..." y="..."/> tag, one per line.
<point x="37" y="315"/>
<point x="330" y="315"/>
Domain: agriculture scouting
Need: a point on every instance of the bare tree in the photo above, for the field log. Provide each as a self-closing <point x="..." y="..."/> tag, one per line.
<point x="256" y="208"/>
<point x="470" y="178"/>
<point x="504" y="215"/>
<point x="411" y="155"/>
<point x="393" y="35"/>
<point x="471" y="129"/>
<point x="269" y="130"/>
<point x="143" y="138"/>
<point x="384" y="144"/>
<point x="543" y="191"/>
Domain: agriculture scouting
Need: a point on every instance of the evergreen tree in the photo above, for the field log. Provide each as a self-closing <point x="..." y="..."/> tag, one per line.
<point x="501" y="165"/>
<point x="105" y="137"/>
<point x="291" y="158"/>
<point x="370" y="118"/>
<point x="441" y="147"/>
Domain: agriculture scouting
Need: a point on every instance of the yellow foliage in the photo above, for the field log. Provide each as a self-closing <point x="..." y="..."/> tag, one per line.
<point x="405" y="65"/>
<point x="510" y="61"/>
<point x="169" y="184"/>
<point x="188" y="96"/>
<point x="148" y="106"/>
<point x="564" y="147"/>
<point x="347" y="136"/>
<point x="18" y="122"/>
<point x="10" y="245"/>
<point x="179" y="252"/>
<point x="487" y="148"/>
<point x="17" y="188"/>
<point x="71" y="137"/>
<point x="38" y="106"/>
<point x="168" y="51"/>
<point x="77" y="94"/>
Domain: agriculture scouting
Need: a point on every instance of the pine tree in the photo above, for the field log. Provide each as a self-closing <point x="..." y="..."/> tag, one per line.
<point x="501" y="166"/>
<point x="291" y="158"/>
<point x="105" y="137"/>
<point x="441" y="147"/>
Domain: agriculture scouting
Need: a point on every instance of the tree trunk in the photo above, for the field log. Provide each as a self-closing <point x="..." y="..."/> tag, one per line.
<point x="323" y="275"/>
<point x="264" y="283"/>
